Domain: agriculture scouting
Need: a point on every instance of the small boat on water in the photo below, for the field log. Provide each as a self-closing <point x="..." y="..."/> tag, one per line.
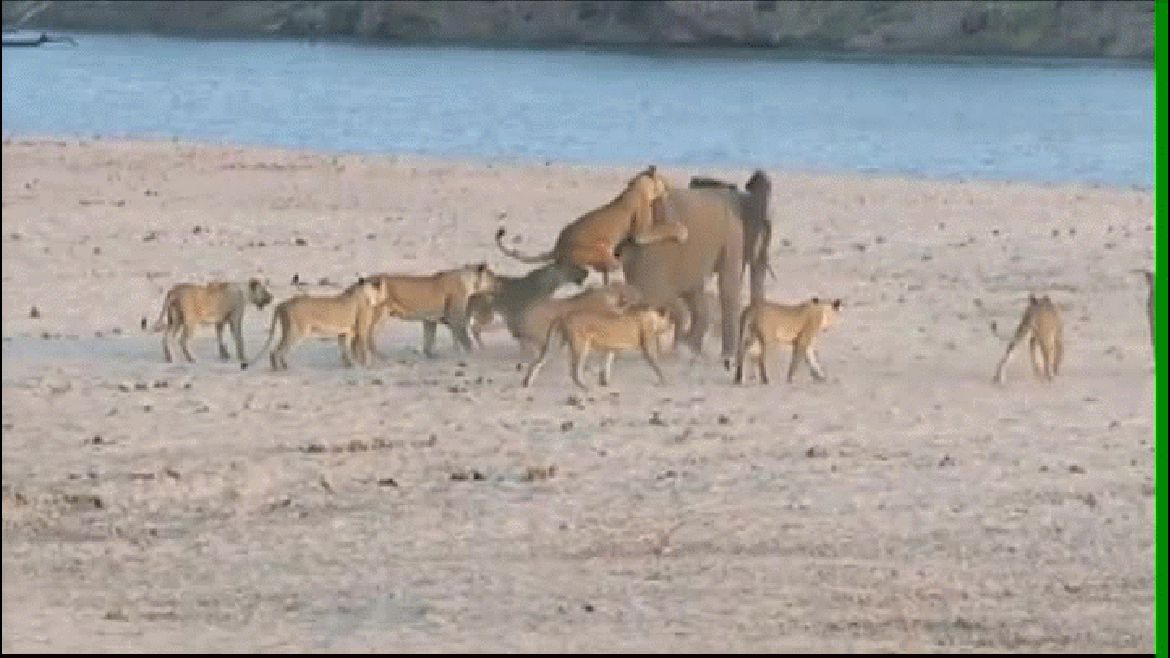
<point x="29" y="39"/>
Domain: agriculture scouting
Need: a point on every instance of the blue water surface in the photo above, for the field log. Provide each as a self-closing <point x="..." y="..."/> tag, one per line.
<point x="1038" y="120"/>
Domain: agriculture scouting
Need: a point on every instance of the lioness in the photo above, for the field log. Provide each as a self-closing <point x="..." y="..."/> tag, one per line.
<point x="188" y="305"/>
<point x="532" y="326"/>
<point x="610" y="331"/>
<point x="1043" y="327"/>
<point x="763" y="323"/>
<point x="432" y="299"/>
<point x="346" y="315"/>
<point x="591" y="240"/>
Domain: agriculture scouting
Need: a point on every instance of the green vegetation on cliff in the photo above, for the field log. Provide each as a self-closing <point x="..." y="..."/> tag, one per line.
<point x="1122" y="28"/>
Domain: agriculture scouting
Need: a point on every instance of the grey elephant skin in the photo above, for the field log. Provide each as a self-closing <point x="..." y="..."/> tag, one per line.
<point x="728" y="232"/>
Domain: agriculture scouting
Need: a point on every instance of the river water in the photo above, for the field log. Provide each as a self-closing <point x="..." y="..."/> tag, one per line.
<point x="1038" y="120"/>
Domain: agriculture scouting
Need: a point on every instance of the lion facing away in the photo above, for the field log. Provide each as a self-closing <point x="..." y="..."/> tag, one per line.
<point x="765" y="323"/>
<point x="188" y="305"/>
<point x="346" y="315"/>
<point x="592" y="240"/>
<point x="433" y="299"/>
<point x="610" y="331"/>
<point x="1043" y="328"/>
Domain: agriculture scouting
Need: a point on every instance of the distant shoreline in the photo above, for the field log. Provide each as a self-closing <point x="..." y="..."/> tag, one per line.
<point x="699" y="51"/>
<point x="1114" y="30"/>
<point x="519" y="162"/>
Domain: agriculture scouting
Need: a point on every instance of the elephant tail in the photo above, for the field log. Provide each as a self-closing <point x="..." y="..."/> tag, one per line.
<point x="542" y="258"/>
<point x="757" y="251"/>
<point x="741" y="347"/>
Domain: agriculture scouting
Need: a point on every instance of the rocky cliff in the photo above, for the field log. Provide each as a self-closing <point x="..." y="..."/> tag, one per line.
<point x="1085" y="28"/>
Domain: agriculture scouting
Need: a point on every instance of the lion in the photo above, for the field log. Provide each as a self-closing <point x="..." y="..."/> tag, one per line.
<point x="1043" y="328"/>
<point x="188" y="305"/>
<point x="432" y="299"/>
<point x="764" y="323"/>
<point x="347" y="315"/>
<point x="634" y="327"/>
<point x="592" y="240"/>
<point x="532" y="326"/>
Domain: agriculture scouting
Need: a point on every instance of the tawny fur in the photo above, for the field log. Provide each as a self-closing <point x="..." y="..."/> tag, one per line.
<point x="188" y="305"/>
<point x="346" y="315"/>
<point x="1042" y="327"/>
<point x="592" y="240"/>
<point x="433" y="299"/>
<point x="765" y="323"/>
<point x="609" y="331"/>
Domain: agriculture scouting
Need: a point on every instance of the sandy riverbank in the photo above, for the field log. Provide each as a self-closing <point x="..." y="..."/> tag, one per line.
<point x="907" y="504"/>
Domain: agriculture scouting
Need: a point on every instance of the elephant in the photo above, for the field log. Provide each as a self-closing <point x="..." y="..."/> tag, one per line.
<point x="729" y="232"/>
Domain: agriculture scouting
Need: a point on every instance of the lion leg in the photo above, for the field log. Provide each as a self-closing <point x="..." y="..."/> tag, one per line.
<point x="606" y="368"/>
<point x="368" y="337"/>
<point x="598" y="256"/>
<point x="429" y="329"/>
<point x="289" y="337"/>
<point x="1045" y="349"/>
<point x="798" y="353"/>
<point x="184" y="340"/>
<point x="740" y="355"/>
<point x="1038" y="358"/>
<point x="236" y="327"/>
<point x="223" y="351"/>
<point x="580" y="352"/>
<point x="762" y="358"/>
<point x="810" y="355"/>
<point x="457" y="323"/>
<point x="1057" y="354"/>
<point x="648" y="352"/>
<point x="343" y="343"/>
<point x="167" y="337"/>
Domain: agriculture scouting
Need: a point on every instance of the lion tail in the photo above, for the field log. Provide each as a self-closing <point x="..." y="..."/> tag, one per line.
<point x="542" y="258"/>
<point x="244" y="365"/>
<point x="164" y="315"/>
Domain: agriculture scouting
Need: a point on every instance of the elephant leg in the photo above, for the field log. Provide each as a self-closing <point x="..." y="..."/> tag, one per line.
<point x="699" y="319"/>
<point x="730" y="284"/>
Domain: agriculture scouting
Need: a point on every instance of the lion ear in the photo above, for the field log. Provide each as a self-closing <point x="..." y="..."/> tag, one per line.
<point x="1032" y="298"/>
<point x="481" y="267"/>
<point x="816" y="300"/>
<point x="836" y="304"/>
